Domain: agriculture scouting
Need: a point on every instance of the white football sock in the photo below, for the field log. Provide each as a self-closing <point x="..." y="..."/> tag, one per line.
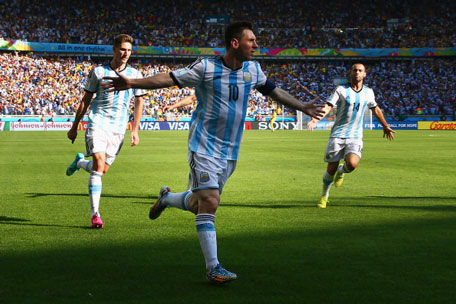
<point x="95" y="186"/>
<point x="343" y="169"/>
<point x="207" y="237"/>
<point x="85" y="164"/>
<point x="327" y="183"/>
<point x="177" y="200"/>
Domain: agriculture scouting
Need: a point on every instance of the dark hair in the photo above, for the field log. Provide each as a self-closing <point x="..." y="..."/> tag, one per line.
<point x="235" y="30"/>
<point x="119" y="39"/>
<point x="359" y="62"/>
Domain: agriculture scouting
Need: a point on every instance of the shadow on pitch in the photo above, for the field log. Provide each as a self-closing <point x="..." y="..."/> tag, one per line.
<point x="412" y="197"/>
<point x="264" y="206"/>
<point x="5" y="220"/>
<point x="397" y="202"/>
<point x="33" y="195"/>
<point x="391" y="202"/>
<point x="364" y="260"/>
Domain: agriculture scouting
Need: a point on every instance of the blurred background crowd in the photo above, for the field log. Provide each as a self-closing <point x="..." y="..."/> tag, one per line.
<point x="48" y="85"/>
<point x="35" y="85"/>
<point x="200" y="23"/>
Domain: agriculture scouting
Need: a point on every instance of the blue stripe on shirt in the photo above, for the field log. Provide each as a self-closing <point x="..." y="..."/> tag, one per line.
<point x="354" y="114"/>
<point x="215" y="111"/>
<point x="198" y="115"/>
<point x="247" y="88"/>
<point x="344" y="119"/>
<point x="359" y="127"/>
<point x="125" y="104"/>
<point x="232" y="104"/>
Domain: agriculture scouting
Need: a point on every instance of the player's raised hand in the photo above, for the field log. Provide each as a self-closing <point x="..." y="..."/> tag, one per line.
<point x="313" y="110"/>
<point x="167" y="108"/>
<point x="388" y="133"/>
<point x="312" y="124"/>
<point x="112" y="84"/>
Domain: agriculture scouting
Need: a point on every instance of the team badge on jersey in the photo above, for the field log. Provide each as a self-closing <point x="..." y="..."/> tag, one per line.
<point x="204" y="177"/>
<point x="247" y="77"/>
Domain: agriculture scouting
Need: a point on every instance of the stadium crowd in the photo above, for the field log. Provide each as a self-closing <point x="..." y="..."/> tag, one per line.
<point x="199" y="23"/>
<point x="51" y="86"/>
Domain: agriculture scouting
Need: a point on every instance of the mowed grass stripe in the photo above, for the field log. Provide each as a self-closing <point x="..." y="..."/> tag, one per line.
<point x="387" y="236"/>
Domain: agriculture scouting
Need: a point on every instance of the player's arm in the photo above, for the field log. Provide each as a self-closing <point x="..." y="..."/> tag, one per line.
<point x="121" y="83"/>
<point x="139" y="106"/>
<point x="313" y="122"/>
<point x="181" y="103"/>
<point x="82" y="109"/>
<point x="387" y="131"/>
<point x="283" y="97"/>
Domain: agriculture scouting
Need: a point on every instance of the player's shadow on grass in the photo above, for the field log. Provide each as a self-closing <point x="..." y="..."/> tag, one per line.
<point x="394" y="202"/>
<point x="279" y="266"/>
<point x="33" y="195"/>
<point x="269" y="206"/>
<point x="5" y="220"/>
<point x="412" y="197"/>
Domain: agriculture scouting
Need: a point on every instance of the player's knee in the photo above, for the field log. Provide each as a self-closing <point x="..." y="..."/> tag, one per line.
<point x="351" y="166"/>
<point x="209" y="203"/>
<point x="193" y="206"/>
<point x="105" y="169"/>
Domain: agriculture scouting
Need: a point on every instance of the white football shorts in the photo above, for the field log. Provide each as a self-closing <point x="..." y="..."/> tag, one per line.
<point x="338" y="148"/>
<point x="101" y="141"/>
<point x="209" y="172"/>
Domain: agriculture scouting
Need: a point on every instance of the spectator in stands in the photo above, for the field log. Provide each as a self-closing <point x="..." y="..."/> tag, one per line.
<point x="30" y="84"/>
<point x="302" y="24"/>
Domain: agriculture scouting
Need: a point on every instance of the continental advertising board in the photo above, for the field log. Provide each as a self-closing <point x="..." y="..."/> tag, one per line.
<point x="395" y="125"/>
<point x="40" y="126"/>
<point x="437" y="125"/>
<point x="249" y="125"/>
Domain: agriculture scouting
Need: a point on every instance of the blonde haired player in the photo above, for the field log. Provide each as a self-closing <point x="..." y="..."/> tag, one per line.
<point x="108" y="119"/>
<point x="346" y="137"/>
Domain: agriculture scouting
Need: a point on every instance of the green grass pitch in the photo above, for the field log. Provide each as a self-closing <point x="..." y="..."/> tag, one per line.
<point x="387" y="236"/>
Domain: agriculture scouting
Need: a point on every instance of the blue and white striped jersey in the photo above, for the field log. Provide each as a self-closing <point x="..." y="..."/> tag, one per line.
<point x="109" y="111"/>
<point x="218" y="121"/>
<point x="350" y="107"/>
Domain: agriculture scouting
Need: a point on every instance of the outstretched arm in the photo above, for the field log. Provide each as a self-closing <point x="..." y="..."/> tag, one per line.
<point x="82" y="109"/>
<point x="139" y="106"/>
<point x="313" y="122"/>
<point x="121" y="83"/>
<point x="181" y="103"/>
<point x="387" y="131"/>
<point x="310" y="108"/>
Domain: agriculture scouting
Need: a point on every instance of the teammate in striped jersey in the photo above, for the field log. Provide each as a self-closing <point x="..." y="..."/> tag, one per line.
<point x="346" y="137"/>
<point x="222" y="86"/>
<point x="108" y="119"/>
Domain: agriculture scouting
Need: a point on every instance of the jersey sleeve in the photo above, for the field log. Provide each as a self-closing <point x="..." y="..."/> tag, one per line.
<point x="92" y="81"/>
<point x="261" y="79"/>
<point x="263" y="85"/>
<point x="371" y="101"/>
<point x="190" y="76"/>
<point x="332" y="100"/>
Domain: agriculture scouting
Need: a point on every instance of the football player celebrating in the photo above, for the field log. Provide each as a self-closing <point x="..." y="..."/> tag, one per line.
<point x="222" y="86"/>
<point x="346" y="138"/>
